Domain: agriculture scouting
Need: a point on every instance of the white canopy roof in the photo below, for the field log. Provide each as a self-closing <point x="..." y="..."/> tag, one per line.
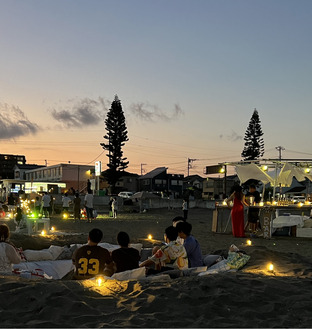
<point x="252" y="171"/>
<point x="290" y="171"/>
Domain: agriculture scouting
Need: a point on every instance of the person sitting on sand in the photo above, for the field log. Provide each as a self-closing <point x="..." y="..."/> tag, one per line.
<point x="191" y="245"/>
<point x="171" y="256"/>
<point x="175" y="221"/>
<point x="91" y="259"/>
<point x="125" y="258"/>
<point x="8" y="253"/>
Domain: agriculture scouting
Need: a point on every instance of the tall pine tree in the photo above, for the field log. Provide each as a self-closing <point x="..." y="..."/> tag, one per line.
<point x="116" y="137"/>
<point x="254" y="144"/>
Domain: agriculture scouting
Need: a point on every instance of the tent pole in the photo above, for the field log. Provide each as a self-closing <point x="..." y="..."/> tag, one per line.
<point x="275" y="179"/>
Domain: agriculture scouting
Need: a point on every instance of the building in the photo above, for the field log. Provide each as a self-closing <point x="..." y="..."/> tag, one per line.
<point x="213" y="188"/>
<point x="7" y="164"/>
<point x="75" y="176"/>
<point x="20" y="170"/>
<point x="193" y="181"/>
<point x="158" y="180"/>
<point x="127" y="182"/>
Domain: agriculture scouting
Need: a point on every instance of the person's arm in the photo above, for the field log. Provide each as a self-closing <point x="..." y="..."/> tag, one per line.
<point x="231" y="197"/>
<point x="244" y="201"/>
<point x="12" y="254"/>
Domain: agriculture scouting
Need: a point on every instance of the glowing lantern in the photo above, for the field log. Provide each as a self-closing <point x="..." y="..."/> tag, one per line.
<point x="249" y="243"/>
<point x="65" y="216"/>
<point x="52" y="228"/>
<point x="271" y="267"/>
<point x="99" y="281"/>
<point x="224" y="203"/>
<point x="150" y="237"/>
<point x="43" y="232"/>
<point x="261" y="204"/>
<point x="300" y="204"/>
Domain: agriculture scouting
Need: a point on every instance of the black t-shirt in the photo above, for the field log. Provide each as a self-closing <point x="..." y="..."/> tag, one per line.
<point x="126" y="259"/>
<point x="255" y="194"/>
<point x="90" y="261"/>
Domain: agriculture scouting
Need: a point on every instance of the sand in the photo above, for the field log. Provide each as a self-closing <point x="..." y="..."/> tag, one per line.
<point x="251" y="297"/>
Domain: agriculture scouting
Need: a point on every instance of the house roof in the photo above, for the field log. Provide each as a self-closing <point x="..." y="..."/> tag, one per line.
<point x="28" y="166"/>
<point x="193" y="178"/>
<point x="154" y="173"/>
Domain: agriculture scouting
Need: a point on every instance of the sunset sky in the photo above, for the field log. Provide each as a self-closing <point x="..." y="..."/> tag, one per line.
<point x="188" y="73"/>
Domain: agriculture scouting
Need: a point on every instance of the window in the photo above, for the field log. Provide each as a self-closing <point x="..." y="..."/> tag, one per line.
<point x="146" y="182"/>
<point x="160" y="182"/>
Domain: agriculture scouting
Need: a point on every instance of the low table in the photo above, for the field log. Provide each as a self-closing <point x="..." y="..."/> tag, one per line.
<point x="32" y="225"/>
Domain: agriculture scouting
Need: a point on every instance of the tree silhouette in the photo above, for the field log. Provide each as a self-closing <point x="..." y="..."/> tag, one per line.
<point x="116" y="137"/>
<point x="254" y="144"/>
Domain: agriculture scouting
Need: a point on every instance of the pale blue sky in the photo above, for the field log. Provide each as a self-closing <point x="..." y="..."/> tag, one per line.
<point x="188" y="73"/>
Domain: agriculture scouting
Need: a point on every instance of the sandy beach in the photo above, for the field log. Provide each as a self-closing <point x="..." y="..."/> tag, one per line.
<point x="251" y="297"/>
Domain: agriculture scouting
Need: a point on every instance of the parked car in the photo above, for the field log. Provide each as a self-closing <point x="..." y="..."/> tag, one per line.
<point x="125" y="195"/>
<point x="298" y="199"/>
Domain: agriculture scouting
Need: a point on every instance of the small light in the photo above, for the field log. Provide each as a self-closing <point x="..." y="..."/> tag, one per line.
<point x="261" y="204"/>
<point x="300" y="204"/>
<point x="307" y="170"/>
<point x="249" y="243"/>
<point x="65" y="216"/>
<point x="150" y="237"/>
<point x="52" y="228"/>
<point x="264" y="168"/>
<point x="43" y="232"/>
<point x="33" y="215"/>
<point x="224" y="203"/>
<point x="99" y="281"/>
<point x="271" y="267"/>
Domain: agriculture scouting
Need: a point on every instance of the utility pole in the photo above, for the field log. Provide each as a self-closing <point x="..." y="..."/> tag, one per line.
<point x="189" y="165"/>
<point x="280" y="149"/>
<point x="142" y="170"/>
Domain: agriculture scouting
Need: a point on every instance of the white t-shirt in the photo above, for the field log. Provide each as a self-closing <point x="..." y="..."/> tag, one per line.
<point x="8" y="256"/>
<point x="66" y="201"/>
<point x="46" y="200"/>
<point x="89" y="200"/>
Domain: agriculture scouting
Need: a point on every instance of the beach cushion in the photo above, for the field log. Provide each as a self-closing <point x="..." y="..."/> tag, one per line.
<point x="45" y="254"/>
<point x="237" y="260"/>
<point x="135" y="274"/>
<point x="111" y="247"/>
<point x="210" y="259"/>
<point x="55" y="269"/>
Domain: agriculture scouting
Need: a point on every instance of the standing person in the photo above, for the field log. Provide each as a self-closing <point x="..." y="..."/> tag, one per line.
<point x="185" y="209"/>
<point x="237" y="212"/>
<point x="77" y="207"/>
<point x="253" y="197"/>
<point x="88" y="203"/>
<point x="37" y="206"/>
<point x="91" y="259"/>
<point x="125" y="258"/>
<point x="46" y="199"/>
<point x="110" y="214"/>
<point x="8" y="253"/>
<point x="66" y="201"/>
<point x="114" y="207"/>
<point x="89" y="186"/>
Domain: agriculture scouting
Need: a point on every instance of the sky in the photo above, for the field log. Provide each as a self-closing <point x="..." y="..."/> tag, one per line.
<point x="189" y="75"/>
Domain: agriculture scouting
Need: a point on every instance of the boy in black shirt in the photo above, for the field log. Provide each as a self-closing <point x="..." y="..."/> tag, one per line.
<point x="125" y="258"/>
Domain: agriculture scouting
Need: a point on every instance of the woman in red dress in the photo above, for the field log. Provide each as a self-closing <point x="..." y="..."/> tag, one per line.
<point x="237" y="212"/>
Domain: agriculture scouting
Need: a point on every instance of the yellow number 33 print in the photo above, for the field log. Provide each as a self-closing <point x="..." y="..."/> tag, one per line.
<point x="84" y="267"/>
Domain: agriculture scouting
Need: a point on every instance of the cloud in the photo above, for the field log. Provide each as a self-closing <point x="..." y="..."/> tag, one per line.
<point x="14" y="123"/>
<point x="234" y="137"/>
<point x="149" y="112"/>
<point x="80" y="113"/>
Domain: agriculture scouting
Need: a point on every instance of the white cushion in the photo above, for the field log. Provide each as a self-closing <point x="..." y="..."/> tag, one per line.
<point x="35" y="255"/>
<point x="135" y="274"/>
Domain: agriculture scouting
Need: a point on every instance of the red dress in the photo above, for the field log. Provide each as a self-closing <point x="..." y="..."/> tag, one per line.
<point x="237" y="215"/>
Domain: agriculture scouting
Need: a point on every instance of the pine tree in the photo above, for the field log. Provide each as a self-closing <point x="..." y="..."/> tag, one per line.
<point x="254" y="144"/>
<point x="116" y="136"/>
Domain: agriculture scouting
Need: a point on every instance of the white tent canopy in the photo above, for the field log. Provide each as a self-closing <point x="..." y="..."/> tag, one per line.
<point x="287" y="174"/>
<point x="252" y="171"/>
